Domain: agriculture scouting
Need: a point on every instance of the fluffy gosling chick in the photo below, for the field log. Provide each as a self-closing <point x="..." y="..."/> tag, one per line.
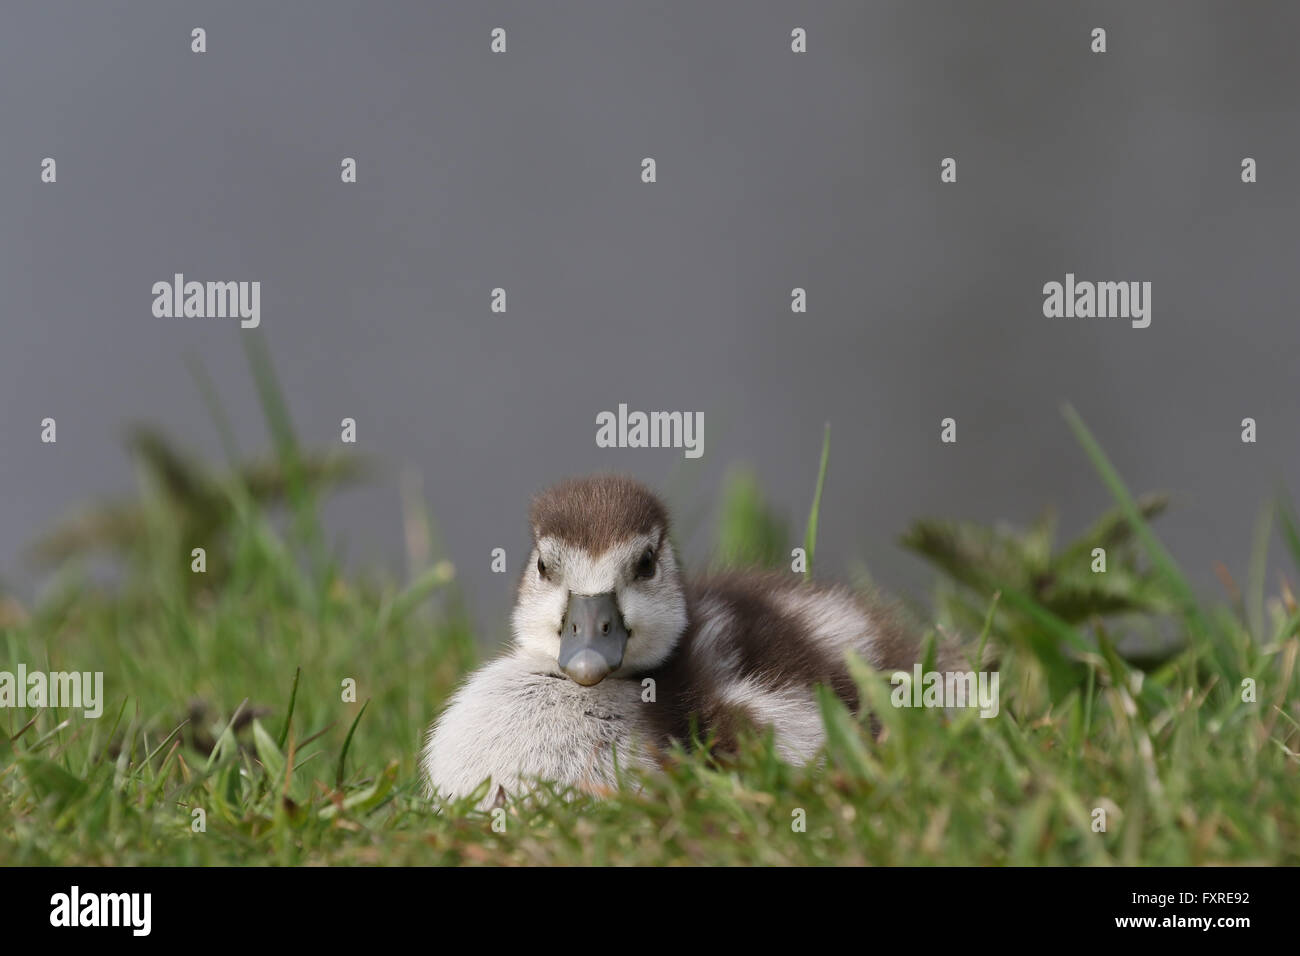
<point x="615" y="655"/>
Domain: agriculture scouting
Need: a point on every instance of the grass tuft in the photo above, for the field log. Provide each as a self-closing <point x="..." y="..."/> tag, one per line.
<point x="1124" y="702"/>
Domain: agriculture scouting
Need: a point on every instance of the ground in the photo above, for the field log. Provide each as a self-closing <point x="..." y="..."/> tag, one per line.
<point x="216" y="684"/>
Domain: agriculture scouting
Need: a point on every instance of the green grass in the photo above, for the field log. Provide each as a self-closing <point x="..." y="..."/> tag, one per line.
<point x="225" y="692"/>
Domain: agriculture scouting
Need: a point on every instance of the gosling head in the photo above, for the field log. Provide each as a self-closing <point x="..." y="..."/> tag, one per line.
<point x="601" y="595"/>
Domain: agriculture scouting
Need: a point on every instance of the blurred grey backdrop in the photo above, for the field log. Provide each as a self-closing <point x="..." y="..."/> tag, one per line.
<point x="775" y="170"/>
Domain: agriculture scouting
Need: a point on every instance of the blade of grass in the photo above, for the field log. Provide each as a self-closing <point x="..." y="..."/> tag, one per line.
<point x="149" y="759"/>
<point x="209" y="394"/>
<point x="1290" y="526"/>
<point x="1163" y="561"/>
<point x="288" y="717"/>
<point x="987" y="629"/>
<point x="810" y="536"/>
<point x="343" y="755"/>
<point x="226" y="739"/>
<point x="278" y="420"/>
<point x="1256" y="573"/>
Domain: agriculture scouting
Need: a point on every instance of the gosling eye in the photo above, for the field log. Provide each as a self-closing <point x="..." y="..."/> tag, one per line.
<point x="645" y="565"/>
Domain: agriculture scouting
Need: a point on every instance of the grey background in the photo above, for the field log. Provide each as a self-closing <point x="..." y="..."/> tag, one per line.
<point x="775" y="170"/>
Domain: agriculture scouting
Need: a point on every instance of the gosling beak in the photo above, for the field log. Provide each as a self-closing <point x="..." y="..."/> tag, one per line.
<point x="592" y="638"/>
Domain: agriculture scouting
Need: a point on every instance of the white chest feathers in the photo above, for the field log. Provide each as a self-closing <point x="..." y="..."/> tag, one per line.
<point x="517" y="724"/>
<point x="758" y="648"/>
